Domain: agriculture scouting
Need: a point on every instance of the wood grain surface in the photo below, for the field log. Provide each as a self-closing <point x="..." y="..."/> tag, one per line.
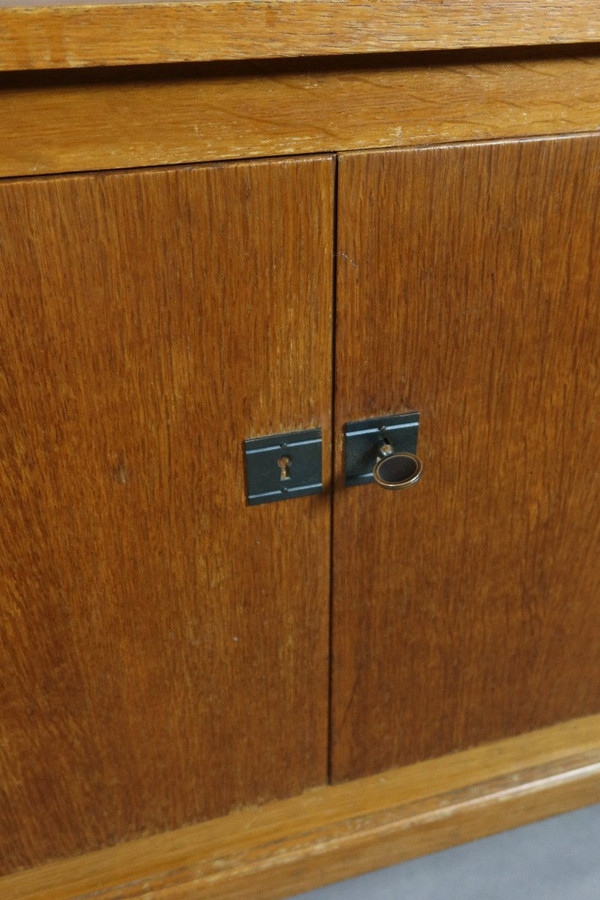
<point x="467" y="608"/>
<point x="164" y="647"/>
<point x="74" y="121"/>
<point x="331" y="833"/>
<point x="40" y="36"/>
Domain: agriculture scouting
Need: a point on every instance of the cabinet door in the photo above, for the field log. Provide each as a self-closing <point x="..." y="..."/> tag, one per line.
<point x="164" y="646"/>
<point x="467" y="608"/>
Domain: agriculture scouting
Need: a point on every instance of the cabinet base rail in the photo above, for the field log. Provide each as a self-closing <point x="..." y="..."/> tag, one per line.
<point x="335" y="832"/>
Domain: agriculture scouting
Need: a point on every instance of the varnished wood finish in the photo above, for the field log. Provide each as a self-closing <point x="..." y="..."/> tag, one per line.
<point x="64" y="122"/>
<point x="332" y="833"/>
<point x="43" y="36"/>
<point x="466" y="609"/>
<point x="164" y="646"/>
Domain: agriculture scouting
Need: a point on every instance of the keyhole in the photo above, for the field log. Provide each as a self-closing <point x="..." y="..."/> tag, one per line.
<point x="284" y="463"/>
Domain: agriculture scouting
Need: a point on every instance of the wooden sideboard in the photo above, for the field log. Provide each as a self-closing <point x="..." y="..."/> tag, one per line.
<point x="226" y="220"/>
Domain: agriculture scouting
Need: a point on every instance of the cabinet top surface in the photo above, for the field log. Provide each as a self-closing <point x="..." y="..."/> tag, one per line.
<point x="54" y="34"/>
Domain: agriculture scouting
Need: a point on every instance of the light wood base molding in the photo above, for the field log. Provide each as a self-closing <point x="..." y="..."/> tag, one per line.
<point x="331" y="833"/>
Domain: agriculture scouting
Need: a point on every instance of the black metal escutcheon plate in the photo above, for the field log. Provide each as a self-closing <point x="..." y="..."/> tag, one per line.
<point x="269" y="477"/>
<point x="363" y="439"/>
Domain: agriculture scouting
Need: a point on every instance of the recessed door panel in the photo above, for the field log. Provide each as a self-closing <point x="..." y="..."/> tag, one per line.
<point x="467" y="608"/>
<point x="164" y="645"/>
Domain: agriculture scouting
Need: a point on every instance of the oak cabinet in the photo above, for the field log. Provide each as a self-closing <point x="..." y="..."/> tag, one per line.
<point x="166" y="647"/>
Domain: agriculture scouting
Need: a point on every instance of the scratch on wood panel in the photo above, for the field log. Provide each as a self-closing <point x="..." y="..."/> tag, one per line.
<point x="120" y="473"/>
<point x="347" y="258"/>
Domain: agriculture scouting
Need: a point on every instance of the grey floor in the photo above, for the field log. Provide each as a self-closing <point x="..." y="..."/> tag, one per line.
<point x="557" y="859"/>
